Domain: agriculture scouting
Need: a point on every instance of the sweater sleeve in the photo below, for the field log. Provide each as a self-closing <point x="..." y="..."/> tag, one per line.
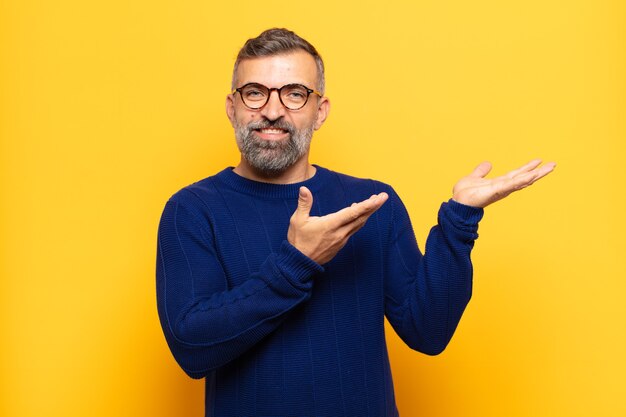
<point x="207" y="324"/>
<point x="425" y="295"/>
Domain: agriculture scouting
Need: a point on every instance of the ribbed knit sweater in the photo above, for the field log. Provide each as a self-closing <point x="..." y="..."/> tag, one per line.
<point x="276" y="334"/>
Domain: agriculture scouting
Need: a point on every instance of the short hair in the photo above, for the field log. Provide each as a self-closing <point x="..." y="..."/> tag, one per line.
<point x="277" y="41"/>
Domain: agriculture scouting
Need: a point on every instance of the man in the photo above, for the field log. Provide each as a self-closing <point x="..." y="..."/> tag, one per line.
<point x="264" y="286"/>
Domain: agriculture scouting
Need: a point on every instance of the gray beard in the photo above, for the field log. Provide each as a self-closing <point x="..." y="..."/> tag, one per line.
<point x="272" y="158"/>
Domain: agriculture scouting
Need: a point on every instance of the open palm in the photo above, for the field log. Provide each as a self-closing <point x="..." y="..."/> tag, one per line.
<point x="477" y="191"/>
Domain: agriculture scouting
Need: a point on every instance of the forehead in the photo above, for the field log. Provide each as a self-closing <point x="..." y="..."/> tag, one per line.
<point x="277" y="70"/>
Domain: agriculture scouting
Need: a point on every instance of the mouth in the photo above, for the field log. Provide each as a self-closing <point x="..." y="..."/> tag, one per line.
<point x="271" y="133"/>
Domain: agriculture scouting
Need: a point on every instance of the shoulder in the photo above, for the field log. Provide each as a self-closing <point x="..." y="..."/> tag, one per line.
<point x="201" y="190"/>
<point x="359" y="185"/>
<point x="355" y="189"/>
<point x="198" y="197"/>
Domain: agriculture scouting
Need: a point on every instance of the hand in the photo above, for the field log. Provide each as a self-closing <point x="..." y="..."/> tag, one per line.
<point x="320" y="238"/>
<point x="477" y="191"/>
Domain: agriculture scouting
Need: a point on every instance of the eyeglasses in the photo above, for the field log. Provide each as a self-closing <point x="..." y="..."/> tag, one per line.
<point x="292" y="96"/>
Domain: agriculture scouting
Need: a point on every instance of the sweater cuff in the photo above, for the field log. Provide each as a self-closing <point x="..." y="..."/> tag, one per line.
<point x="462" y="217"/>
<point x="471" y="214"/>
<point x="296" y="267"/>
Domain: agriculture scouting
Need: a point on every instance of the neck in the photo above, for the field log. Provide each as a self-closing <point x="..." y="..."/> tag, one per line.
<point x="298" y="172"/>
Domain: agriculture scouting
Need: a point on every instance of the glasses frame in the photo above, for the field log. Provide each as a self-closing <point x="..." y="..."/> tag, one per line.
<point x="278" y="90"/>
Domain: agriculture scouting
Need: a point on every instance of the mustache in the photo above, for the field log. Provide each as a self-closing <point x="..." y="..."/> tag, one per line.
<point x="277" y="124"/>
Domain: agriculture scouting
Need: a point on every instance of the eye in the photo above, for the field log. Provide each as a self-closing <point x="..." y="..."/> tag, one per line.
<point x="296" y="92"/>
<point x="253" y="93"/>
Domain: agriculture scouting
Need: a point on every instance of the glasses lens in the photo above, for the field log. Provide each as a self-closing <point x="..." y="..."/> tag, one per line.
<point x="294" y="96"/>
<point x="254" y="95"/>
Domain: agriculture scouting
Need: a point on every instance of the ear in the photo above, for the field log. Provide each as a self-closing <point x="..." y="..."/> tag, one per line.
<point x="230" y="108"/>
<point x="323" y="108"/>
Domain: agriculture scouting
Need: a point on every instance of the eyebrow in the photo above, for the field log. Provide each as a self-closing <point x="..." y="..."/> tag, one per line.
<point x="294" y="82"/>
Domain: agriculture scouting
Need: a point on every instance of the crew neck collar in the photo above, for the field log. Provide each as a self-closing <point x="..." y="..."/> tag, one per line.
<point x="270" y="190"/>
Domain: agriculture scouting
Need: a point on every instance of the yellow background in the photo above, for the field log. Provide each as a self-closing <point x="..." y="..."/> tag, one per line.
<point x="109" y="107"/>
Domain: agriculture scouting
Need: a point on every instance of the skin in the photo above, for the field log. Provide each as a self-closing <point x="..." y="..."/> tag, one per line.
<point x="321" y="237"/>
<point x="274" y="72"/>
<point x="477" y="191"/>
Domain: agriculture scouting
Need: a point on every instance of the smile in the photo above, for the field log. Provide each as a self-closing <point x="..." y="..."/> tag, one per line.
<point x="271" y="133"/>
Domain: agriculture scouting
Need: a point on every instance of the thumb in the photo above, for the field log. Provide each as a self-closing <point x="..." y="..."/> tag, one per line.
<point x="481" y="170"/>
<point x="305" y="202"/>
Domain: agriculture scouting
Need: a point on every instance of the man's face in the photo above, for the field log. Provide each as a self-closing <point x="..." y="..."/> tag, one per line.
<point x="273" y="138"/>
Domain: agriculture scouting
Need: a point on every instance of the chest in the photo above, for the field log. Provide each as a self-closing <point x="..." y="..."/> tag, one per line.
<point x="247" y="233"/>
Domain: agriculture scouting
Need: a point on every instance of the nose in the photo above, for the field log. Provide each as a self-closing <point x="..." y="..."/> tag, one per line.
<point x="273" y="109"/>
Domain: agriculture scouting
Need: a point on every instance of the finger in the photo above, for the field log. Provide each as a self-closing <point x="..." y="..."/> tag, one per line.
<point x="352" y="227"/>
<point x="355" y="204"/>
<point x="543" y="171"/>
<point x="305" y="202"/>
<point x="481" y="170"/>
<point x="357" y="210"/>
<point x="524" y="168"/>
<point x="523" y="180"/>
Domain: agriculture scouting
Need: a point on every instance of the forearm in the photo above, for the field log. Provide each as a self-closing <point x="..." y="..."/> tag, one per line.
<point x="439" y="284"/>
<point x="206" y="322"/>
<point x="210" y="331"/>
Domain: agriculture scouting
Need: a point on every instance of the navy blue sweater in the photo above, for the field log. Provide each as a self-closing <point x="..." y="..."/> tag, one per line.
<point x="276" y="334"/>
